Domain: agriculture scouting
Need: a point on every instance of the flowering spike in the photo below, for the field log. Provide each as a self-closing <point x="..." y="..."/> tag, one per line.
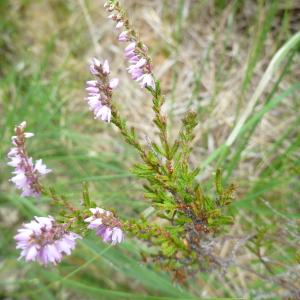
<point x="26" y="174"/>
<point x="100" y="90"/>
<point x="135" y="52"/>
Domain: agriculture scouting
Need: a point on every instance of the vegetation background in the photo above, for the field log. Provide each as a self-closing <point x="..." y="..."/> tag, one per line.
<point x="213" y="57"/>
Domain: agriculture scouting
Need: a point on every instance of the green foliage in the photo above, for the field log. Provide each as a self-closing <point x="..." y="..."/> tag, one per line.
<point x="174" y="192"/>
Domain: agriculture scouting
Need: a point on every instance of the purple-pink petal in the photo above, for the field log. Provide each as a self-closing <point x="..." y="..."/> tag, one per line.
<point x="38" y="243"/>
<point x="113" y="83"/>
<point x="106" y="67"/>
<point x="123" y="37"/>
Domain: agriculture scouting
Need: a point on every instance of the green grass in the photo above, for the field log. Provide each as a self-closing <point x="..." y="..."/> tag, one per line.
<point x="45" y="93"/>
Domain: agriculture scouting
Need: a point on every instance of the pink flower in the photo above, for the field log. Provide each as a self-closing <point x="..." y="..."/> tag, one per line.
<point x="94" y="66"/>
<point x="119" y="24"/>
<point x="105" y="67"/>
<point x="107" y="226"/>
<point x="45" y="241"/>
<point x="92" y="90"/>
<point x="123" y="37"/>
<point x="94" y="102"/>
<point x="147" y="80"/>
<point x="26" y="173"/>
<point x="130" y="47"/>
<point x="114" y="83"/>
<point x="100" y="90"/>
<point x="104" y="114"/>
<point x="92" y="83"/>
<point x="136" y="73"/>
<point x="134" y="59"/>
<point x="41" y="168"/>
<point x="117" y="236"/>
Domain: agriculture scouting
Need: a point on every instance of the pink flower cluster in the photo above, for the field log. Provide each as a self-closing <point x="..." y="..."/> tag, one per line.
<point x="106" y="225"/>
<point x="135" y="52"/>
<point x="45" y="241"/>
<point x="139" y="68"/>
<point x="26" y="173"/>
<point x="100" y="90"/>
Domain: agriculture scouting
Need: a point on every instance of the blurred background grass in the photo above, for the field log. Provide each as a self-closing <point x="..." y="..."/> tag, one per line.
<point x="211" y="57"/>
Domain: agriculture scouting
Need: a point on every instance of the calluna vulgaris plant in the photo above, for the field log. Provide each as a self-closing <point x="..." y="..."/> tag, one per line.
<point x="193" y="221"/>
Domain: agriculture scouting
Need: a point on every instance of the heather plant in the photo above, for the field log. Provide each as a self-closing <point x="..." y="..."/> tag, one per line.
<point x="185" y="222"/>
<point x="194" y="228"/>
